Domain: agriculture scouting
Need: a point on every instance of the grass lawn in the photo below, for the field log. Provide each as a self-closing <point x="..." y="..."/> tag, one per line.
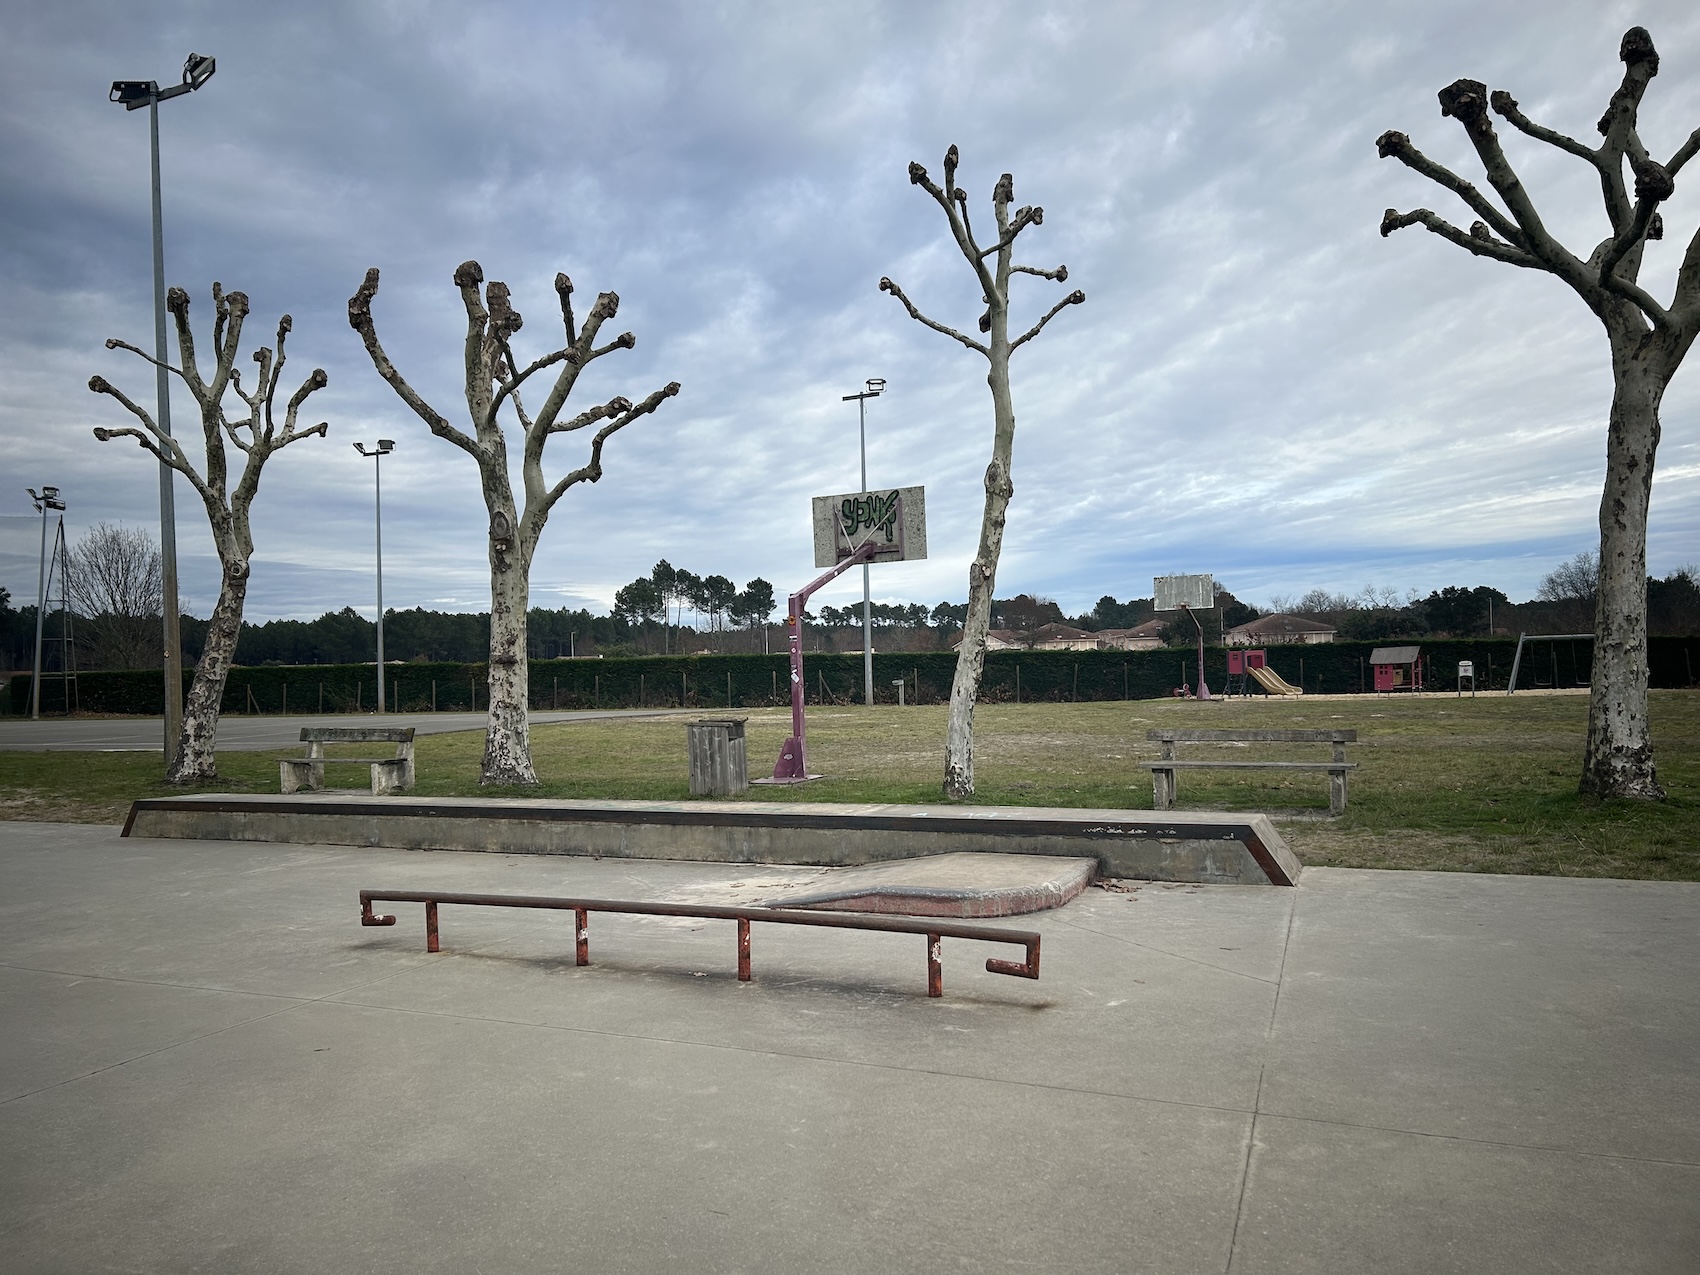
<point x="1485" y="784"/>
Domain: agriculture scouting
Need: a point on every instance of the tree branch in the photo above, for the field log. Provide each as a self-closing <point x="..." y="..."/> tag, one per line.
<point x="1398" y="146"/>
<point x="564" y="290"/>
<point x="625" y="341"/>
<point x="1505" y="106"/>
<point x="1059" y="275"/>
<point x="1077" y="297"/>
<point x="591" y="471"/>
<point x="1685" y="308"/>
<point x="1611" y="177"/>
<point x="958" y="222"/>
<point x="360" y="319"/>
<point x="606" y="307"/>
<point x="113" y="343"/>
<point x="1478" y="240"/>
<point x="886" y="285"/>
<point x="613" y="407"/>
<point x="1024" y="217"/>
<point x="1466" y="101"/>
<point x="1684" y="153"/>
<point x="177" y="301"/>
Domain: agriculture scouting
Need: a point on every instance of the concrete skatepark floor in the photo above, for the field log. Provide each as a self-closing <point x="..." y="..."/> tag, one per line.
<point x="207" y="1064"/>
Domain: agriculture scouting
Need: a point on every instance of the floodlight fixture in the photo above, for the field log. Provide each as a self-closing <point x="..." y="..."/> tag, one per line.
<point x="132" y="93"/>
<point x="876" y="385"/>
<point x="197" y="70"/>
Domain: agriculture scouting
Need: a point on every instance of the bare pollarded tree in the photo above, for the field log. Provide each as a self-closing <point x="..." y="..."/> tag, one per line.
<point x="994" y="266"/>
<point x="1647" y="339"/>
<point x="493" y="380"/>
<point x="256" y="434"/>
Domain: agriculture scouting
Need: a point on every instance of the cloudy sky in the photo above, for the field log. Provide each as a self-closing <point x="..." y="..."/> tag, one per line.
<point x="1258" y="386"/>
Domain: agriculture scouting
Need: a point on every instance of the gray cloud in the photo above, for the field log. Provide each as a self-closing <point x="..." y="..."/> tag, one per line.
<point x="1258" y="385"/>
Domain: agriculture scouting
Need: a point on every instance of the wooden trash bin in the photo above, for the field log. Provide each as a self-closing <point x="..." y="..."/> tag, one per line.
<point x="720" y="766"/>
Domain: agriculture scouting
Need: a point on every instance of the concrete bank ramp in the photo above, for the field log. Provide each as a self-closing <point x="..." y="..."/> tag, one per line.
<point x="966" y="885"/>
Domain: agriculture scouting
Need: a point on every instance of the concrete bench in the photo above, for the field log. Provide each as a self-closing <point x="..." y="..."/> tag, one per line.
<point x="389" y="774"/>
<point x="1163" y="772"/>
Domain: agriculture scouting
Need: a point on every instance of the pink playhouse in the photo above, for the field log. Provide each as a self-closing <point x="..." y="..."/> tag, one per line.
<point x="1397" y="668"/>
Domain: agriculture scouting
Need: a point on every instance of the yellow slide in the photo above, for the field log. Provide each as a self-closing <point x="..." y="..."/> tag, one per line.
<point x="1273" y="682"/>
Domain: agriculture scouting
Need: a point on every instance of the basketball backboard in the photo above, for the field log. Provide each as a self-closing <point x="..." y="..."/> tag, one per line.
<point x="895" y="518"/>
<point x="1174" y="592"/>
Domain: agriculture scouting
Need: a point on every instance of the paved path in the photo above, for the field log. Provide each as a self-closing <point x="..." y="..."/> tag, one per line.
<point x="241" y="733"/>
<point x="206" y="1063"/>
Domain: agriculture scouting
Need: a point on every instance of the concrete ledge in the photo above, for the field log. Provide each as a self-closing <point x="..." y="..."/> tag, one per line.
<point x="1170" y="845"/>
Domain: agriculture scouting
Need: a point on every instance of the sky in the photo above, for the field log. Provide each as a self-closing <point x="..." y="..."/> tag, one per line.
<point x="1258" y="386"/>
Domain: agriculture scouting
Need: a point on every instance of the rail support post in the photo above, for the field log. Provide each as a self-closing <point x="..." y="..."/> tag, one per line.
<point x="431" y="943"/>
<point x="581" y="931"/>
<point x="935" y="965"/>
<point x="743" y="950"/>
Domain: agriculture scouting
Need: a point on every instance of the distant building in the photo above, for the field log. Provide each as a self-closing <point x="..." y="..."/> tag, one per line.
<point x="1275" y="630"/>
<point x="1049" y="637"/>
<point x="1141" y="637"/>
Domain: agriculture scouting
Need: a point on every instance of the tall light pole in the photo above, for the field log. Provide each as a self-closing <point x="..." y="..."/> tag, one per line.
<point x="384" y="448"/>
<point x="875" y="387"/>
<point x="49" y="499"/>
<point x="133" y="95"/>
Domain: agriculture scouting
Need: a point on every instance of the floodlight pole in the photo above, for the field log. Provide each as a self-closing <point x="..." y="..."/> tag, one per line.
<point x="384" y="448"/>
<point x="132" y="95"/>
<point x="49" y="499"/>
<point x="875" y="387"/>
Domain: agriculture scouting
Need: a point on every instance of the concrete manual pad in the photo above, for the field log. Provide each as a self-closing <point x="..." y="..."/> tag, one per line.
<point x="961" y="885"/>
<point x="206" y="1063"/>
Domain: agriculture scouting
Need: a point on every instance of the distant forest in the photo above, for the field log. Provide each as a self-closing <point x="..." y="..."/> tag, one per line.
<point x="1565" y="605"/>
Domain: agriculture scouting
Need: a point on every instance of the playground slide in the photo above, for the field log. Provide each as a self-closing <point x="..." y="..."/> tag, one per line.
<point x="1273" y="682"/>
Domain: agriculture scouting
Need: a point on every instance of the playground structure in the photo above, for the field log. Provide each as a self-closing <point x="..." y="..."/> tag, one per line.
<point x="1397" y="668"/>
<point x="1246" y="667"/>
<point x="1555" y="639"/>
<point x="859" y="527"/>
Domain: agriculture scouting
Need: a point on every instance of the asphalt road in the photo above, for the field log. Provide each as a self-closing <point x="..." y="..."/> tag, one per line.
<point x="242" y="733"/>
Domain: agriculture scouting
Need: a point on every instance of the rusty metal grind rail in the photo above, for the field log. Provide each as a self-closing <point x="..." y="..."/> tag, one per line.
<point x="935" y="931"/>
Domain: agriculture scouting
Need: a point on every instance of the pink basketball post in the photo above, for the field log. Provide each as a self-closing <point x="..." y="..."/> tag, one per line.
<point x="792" y="767"/>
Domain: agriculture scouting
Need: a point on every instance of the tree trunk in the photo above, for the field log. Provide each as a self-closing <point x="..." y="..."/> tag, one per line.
<point x="507" y="742"/>
<point x="982" y="576"/>
<point x="196" y="760"/>
<point x="1618" y="759"/>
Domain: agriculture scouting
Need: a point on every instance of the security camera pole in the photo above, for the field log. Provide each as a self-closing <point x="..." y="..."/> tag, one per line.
<point x="875" y="387"/>
<point x="133" y="95"/>
<point x="384" y="448"/>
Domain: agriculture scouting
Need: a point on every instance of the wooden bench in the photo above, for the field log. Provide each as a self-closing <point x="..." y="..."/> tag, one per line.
<point x="1163" y="772"/>
<point x="389" y="774"/>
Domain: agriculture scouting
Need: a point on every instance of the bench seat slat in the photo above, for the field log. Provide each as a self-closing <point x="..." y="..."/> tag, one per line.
<point x="1249" y="765"/>
<point x="357" y="734"/>
<point x="1331" y="736"/>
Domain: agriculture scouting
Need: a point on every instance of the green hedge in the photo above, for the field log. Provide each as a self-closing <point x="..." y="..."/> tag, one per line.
<point x="747" y="681"/>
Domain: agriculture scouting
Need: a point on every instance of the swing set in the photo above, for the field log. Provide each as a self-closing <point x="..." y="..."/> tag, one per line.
<point x="1576" y="679"/>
